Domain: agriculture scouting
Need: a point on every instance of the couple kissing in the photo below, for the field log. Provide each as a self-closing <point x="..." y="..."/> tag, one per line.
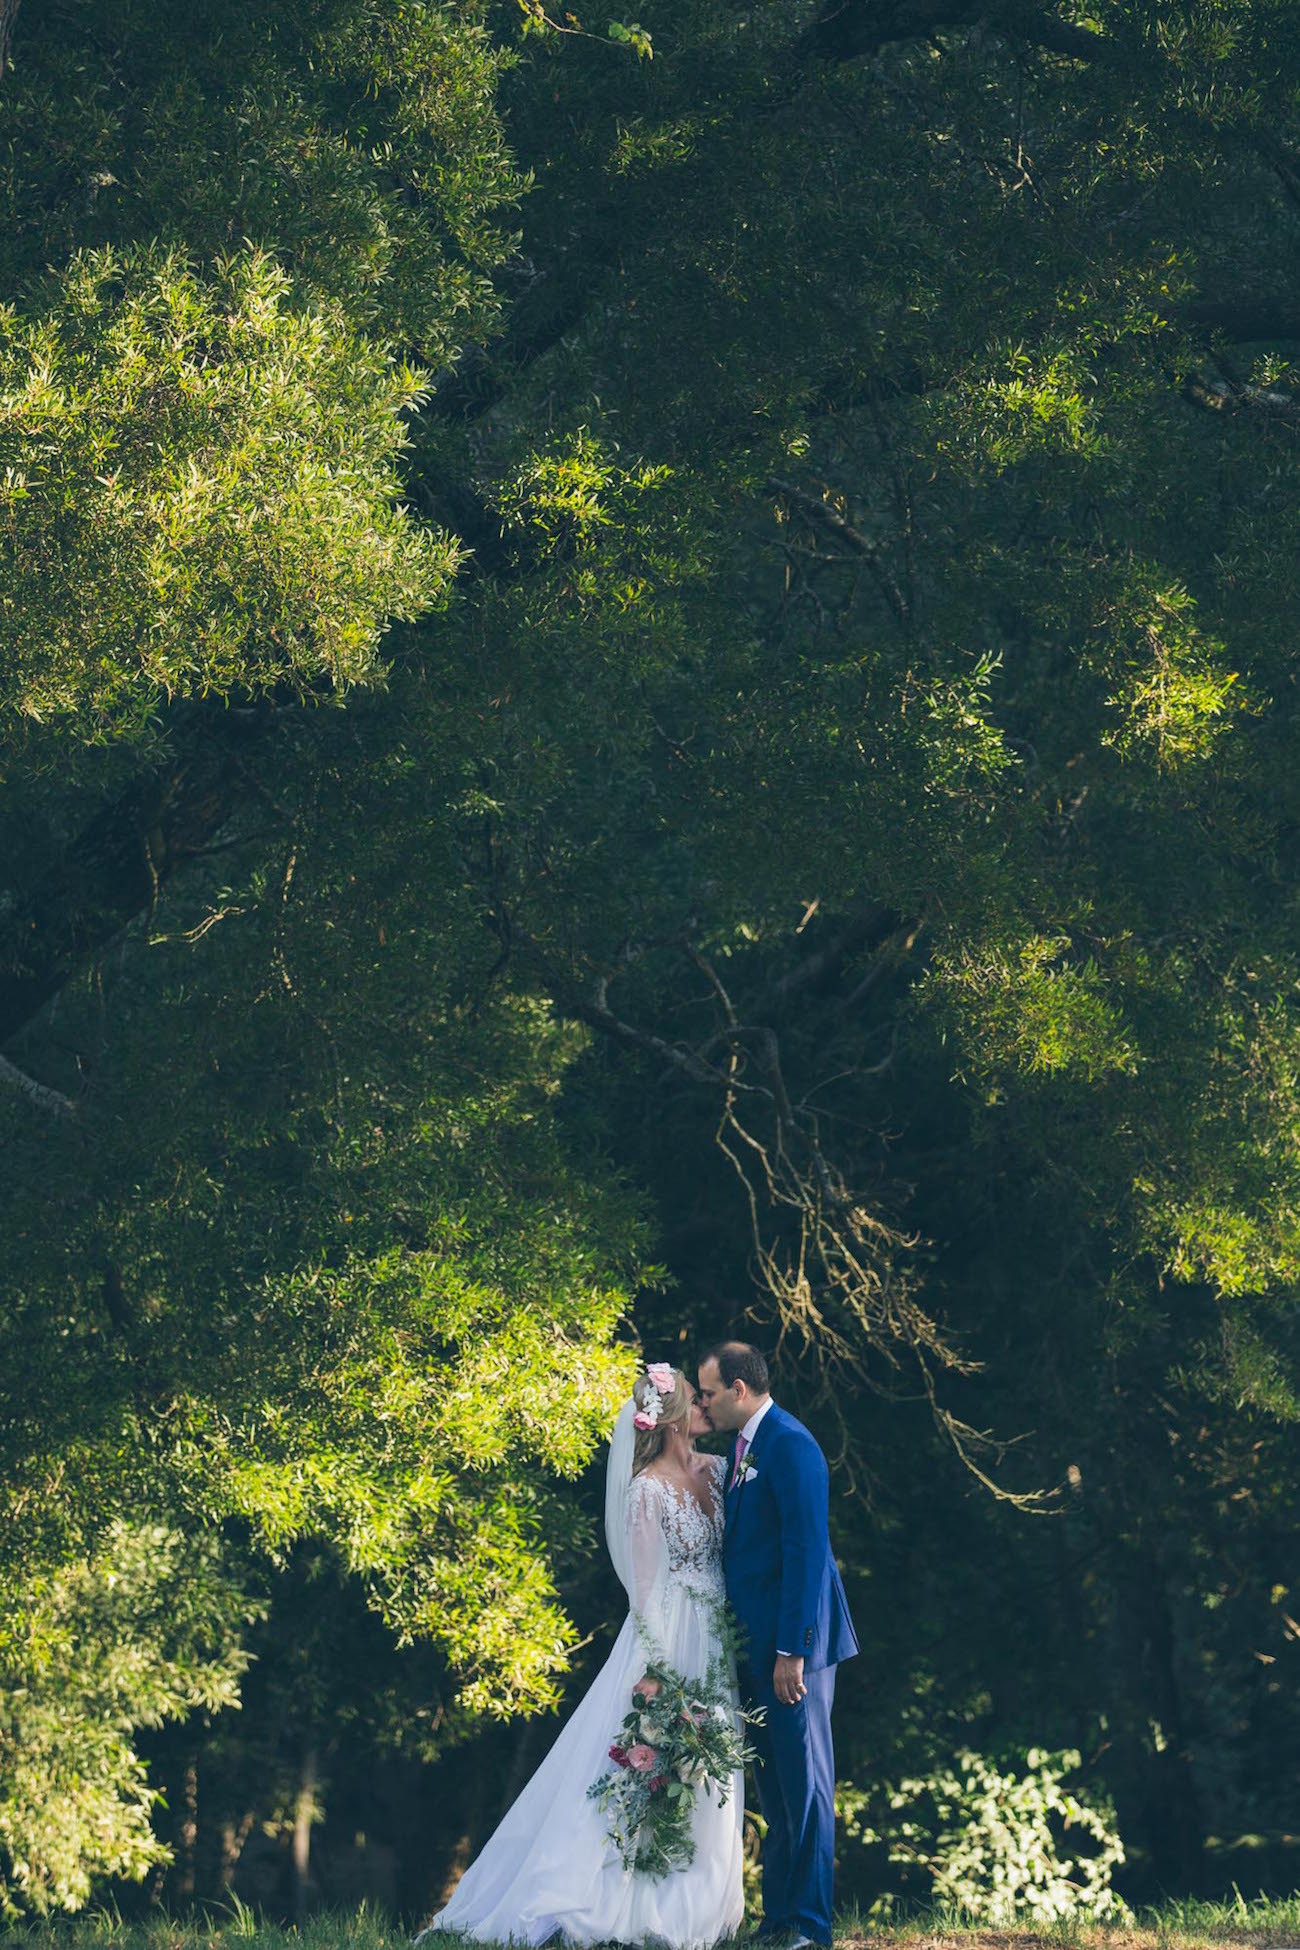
<point x="631" y="1830"/>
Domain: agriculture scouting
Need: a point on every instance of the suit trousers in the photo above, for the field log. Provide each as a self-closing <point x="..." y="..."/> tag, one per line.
<point x="795" y="1777"/>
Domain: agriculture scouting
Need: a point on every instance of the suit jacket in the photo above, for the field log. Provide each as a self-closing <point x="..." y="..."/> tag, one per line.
<point x="782" y="1581"/>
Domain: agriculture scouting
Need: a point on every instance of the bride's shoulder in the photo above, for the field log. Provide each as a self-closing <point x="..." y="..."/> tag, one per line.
<point x="717" y="1466"/>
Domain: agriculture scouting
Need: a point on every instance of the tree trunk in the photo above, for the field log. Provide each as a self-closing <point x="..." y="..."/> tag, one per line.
<point x="8" y="14"/>
<point x="304" y="1814"/>
<point x="517" y="1772"/>
<point x="1171" y="1814"/>
<point x="187" y="1830"/>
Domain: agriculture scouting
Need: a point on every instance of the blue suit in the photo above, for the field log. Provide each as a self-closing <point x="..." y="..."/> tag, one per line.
<point x="786" y="1593"/>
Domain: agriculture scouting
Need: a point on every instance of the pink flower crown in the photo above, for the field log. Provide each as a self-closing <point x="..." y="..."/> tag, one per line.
<point x="662" y="1382"/>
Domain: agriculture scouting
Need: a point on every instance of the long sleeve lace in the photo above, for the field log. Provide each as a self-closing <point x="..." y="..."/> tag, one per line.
<point x="649" y="1564"/>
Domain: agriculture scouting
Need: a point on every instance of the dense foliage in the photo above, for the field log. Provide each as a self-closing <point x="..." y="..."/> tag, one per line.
<point x="608" y="659"/>
<point x="147" y="1630"/>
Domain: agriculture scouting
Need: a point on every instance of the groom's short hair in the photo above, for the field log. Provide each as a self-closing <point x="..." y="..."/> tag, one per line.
<point x="738" y="1361"/>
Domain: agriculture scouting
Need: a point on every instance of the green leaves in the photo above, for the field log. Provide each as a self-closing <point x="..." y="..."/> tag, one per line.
<point x="983" y="1832"/>
<point x="361" y="146"/>
<point x="1028" y="1007"/>
<point x="200" y="482"/>
<point x="863" y="734"/>
<point x="629" y="34"/>
<point x="147" y="1629"/>
<point x="1175" y="700"/>
<point x="632" y="34"/>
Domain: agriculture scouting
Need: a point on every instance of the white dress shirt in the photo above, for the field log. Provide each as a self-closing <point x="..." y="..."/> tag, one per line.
<point x="748" y="1432"/>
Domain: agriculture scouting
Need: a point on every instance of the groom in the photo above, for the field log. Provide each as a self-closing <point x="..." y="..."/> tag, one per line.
<point x="783" y="1585"/>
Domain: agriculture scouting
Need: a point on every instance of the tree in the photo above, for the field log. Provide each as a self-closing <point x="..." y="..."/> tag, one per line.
<point x="844" y="799"/>
<point x="302" y="1255"/>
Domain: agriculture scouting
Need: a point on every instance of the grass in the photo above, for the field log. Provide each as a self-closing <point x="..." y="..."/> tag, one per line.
<point x="1178" y="1925"/>
<point x="1186" y="1925"/>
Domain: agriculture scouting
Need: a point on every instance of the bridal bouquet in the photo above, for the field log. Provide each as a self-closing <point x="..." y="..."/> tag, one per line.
<point x="687" y="1737"/>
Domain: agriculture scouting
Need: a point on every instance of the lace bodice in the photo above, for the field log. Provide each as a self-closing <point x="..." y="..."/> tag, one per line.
<point x="692" y="1536"/>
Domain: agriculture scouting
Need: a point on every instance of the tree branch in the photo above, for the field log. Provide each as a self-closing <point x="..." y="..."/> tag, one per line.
<point x="853" y="541"/>
<point x="1285" y="166"/>
<point x="597" y="1013"/>
<point x="1219" y="396"/>
<point x="36" y="1093"/>
<point x="8" y="15"/>
<point x="874" y="924"/>
<point x="848" y="29"/>
<point x="840" y="1279"/>
<point x="113" y="871"/>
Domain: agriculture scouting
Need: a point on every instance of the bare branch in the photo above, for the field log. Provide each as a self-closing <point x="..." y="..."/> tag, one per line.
<point x="290" y="868"/>
<point x="1284" y="165"/>
<point x="1224" y="396"/>
<point x="112" y="871"/>
<point x="709" y="972"/>
<point x="597" y="1013"/>
<point x="36" y="1093"/>
<point x="823" y="514"/>
<point x="8" y="15"/>
<point x="887" y="957"/>
<point x="841" y="1280"/>
<point x="874" y="920"/>
<point x="970" y="1442"/>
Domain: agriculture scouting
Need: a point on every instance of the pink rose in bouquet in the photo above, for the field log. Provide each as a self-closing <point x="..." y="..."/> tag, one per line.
<point x="641" y="1757"/>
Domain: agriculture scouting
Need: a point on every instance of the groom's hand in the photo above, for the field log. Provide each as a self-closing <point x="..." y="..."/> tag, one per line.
<point x="787" y="1679"/>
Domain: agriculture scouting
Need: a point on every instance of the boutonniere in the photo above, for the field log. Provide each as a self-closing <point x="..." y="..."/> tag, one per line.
<point x="747" y="1469"/>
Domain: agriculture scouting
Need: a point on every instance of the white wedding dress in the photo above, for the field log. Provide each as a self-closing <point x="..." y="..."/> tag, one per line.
<point x="550" y="1868"/>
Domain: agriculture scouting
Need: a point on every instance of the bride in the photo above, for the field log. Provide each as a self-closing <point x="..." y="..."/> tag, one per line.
<point x="550" y="1868"/>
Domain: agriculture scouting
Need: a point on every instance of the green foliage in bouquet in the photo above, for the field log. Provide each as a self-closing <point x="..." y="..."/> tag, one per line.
<point x="686" y="1736"/>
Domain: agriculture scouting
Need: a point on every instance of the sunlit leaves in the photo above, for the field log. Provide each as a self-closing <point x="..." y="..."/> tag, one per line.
<point x="146" y="1629"/>
<point x="1004" y="1840"/>
<point x="362" y="146"/>
<point x="1030" y="1006"/>
<point x="1174" y="698"/>
<point x="199" y="494"/>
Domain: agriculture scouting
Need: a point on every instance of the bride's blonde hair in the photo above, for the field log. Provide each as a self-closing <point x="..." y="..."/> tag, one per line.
<point x="674" y="1412"/>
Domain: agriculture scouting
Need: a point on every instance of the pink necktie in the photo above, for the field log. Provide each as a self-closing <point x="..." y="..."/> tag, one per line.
<point x="741" y="1446"/>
